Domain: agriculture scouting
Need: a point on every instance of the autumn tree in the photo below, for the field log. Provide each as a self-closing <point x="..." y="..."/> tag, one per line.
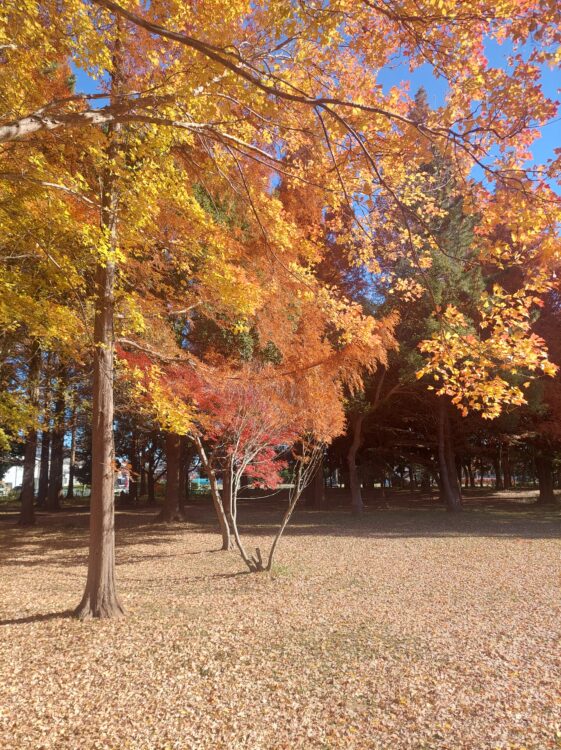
<point x="226" y="92"/>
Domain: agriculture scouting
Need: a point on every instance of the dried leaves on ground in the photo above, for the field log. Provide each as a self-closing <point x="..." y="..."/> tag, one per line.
<point x="403" y="629"/>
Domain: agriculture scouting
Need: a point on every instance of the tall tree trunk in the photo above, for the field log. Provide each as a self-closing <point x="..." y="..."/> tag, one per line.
<point x="184" y="463"/>
<point x="498" y="469"/>
<point x="54" y="493"/>
<point x="315" y="491"/>
<point x="170" y="509"/>
<point x="355" y="422"/>
<point x="135" y="468"/>
<point x="449" y="486"/>
<point x="544" y="470"/>
<point x="151" y="482"/>
<point x="470" y="473"/>
<point x="44" y="468"/>
<point x="507" y="470"/>
<point x="27" y="513"/>
<point x="142" y="488"/>
<point x="425" y="482"/>
<point x="150" y="462"/>
<point x="318" y="485"/>
<point x="72" y="464"/>
<point x="45" y="438"/>
<point x="100" y="596"/>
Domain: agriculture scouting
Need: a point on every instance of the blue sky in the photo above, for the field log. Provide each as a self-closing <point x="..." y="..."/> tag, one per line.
<point x="543" y="147"/>
<point x="497" y="55"/>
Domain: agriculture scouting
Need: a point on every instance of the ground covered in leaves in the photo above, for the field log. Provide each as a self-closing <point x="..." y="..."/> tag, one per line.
<point x="408" y="628"/>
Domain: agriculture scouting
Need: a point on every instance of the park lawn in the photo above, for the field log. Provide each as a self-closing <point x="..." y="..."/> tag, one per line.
<point x="407" y="628"/>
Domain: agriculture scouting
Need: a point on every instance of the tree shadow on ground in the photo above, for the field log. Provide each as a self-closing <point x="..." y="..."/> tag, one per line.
<point x="66" y="532"/>
<point x="64" y="615"/>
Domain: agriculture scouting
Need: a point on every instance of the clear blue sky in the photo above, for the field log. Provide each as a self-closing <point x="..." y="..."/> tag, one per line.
<point x="543" y="147"/>
<point x="497" y="55"/>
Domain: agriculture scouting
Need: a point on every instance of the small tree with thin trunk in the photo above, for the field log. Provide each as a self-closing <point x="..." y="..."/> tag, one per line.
<point x="256" y="428"/>
<point x="306" y="455"/>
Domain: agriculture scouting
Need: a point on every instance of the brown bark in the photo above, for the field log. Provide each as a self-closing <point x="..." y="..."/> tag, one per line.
<point x="170" y="510"/>
<point x="45" y="439"/>
<point x="150" y="462"/>
<point x="72" y="464"/>
<point x="425" y="485"/>
<point x="499" y="485"/>
<point x="449" y="485"/>
<point x="544" y="470"/>
<point x="184" y="463"/>
<point x="142" y="489"/>
<point x="54" y="493"/>
<point x="315" y="491"/>
<point x="135" y="468"/>
<point x="151" y="482"/>
<point x="470" y="474"/>
<point x="355" y="423"/>
<point x="507" y="469"/>
<point x="227" y="541"/>
<point x="215" y="494"/>
<point x="100" y="596"/>
<point x="44" y="468"/>
<point x="27" y="513"/>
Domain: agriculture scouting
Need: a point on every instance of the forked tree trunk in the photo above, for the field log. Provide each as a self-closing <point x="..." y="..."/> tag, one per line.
<point x="170" y="510"/>
<point x="355" y="422"/>
<point x="27" y="513"/>
<point x="449" y="485"/>
<point x="100" y="596"/>
<point x="57" y="452"/>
